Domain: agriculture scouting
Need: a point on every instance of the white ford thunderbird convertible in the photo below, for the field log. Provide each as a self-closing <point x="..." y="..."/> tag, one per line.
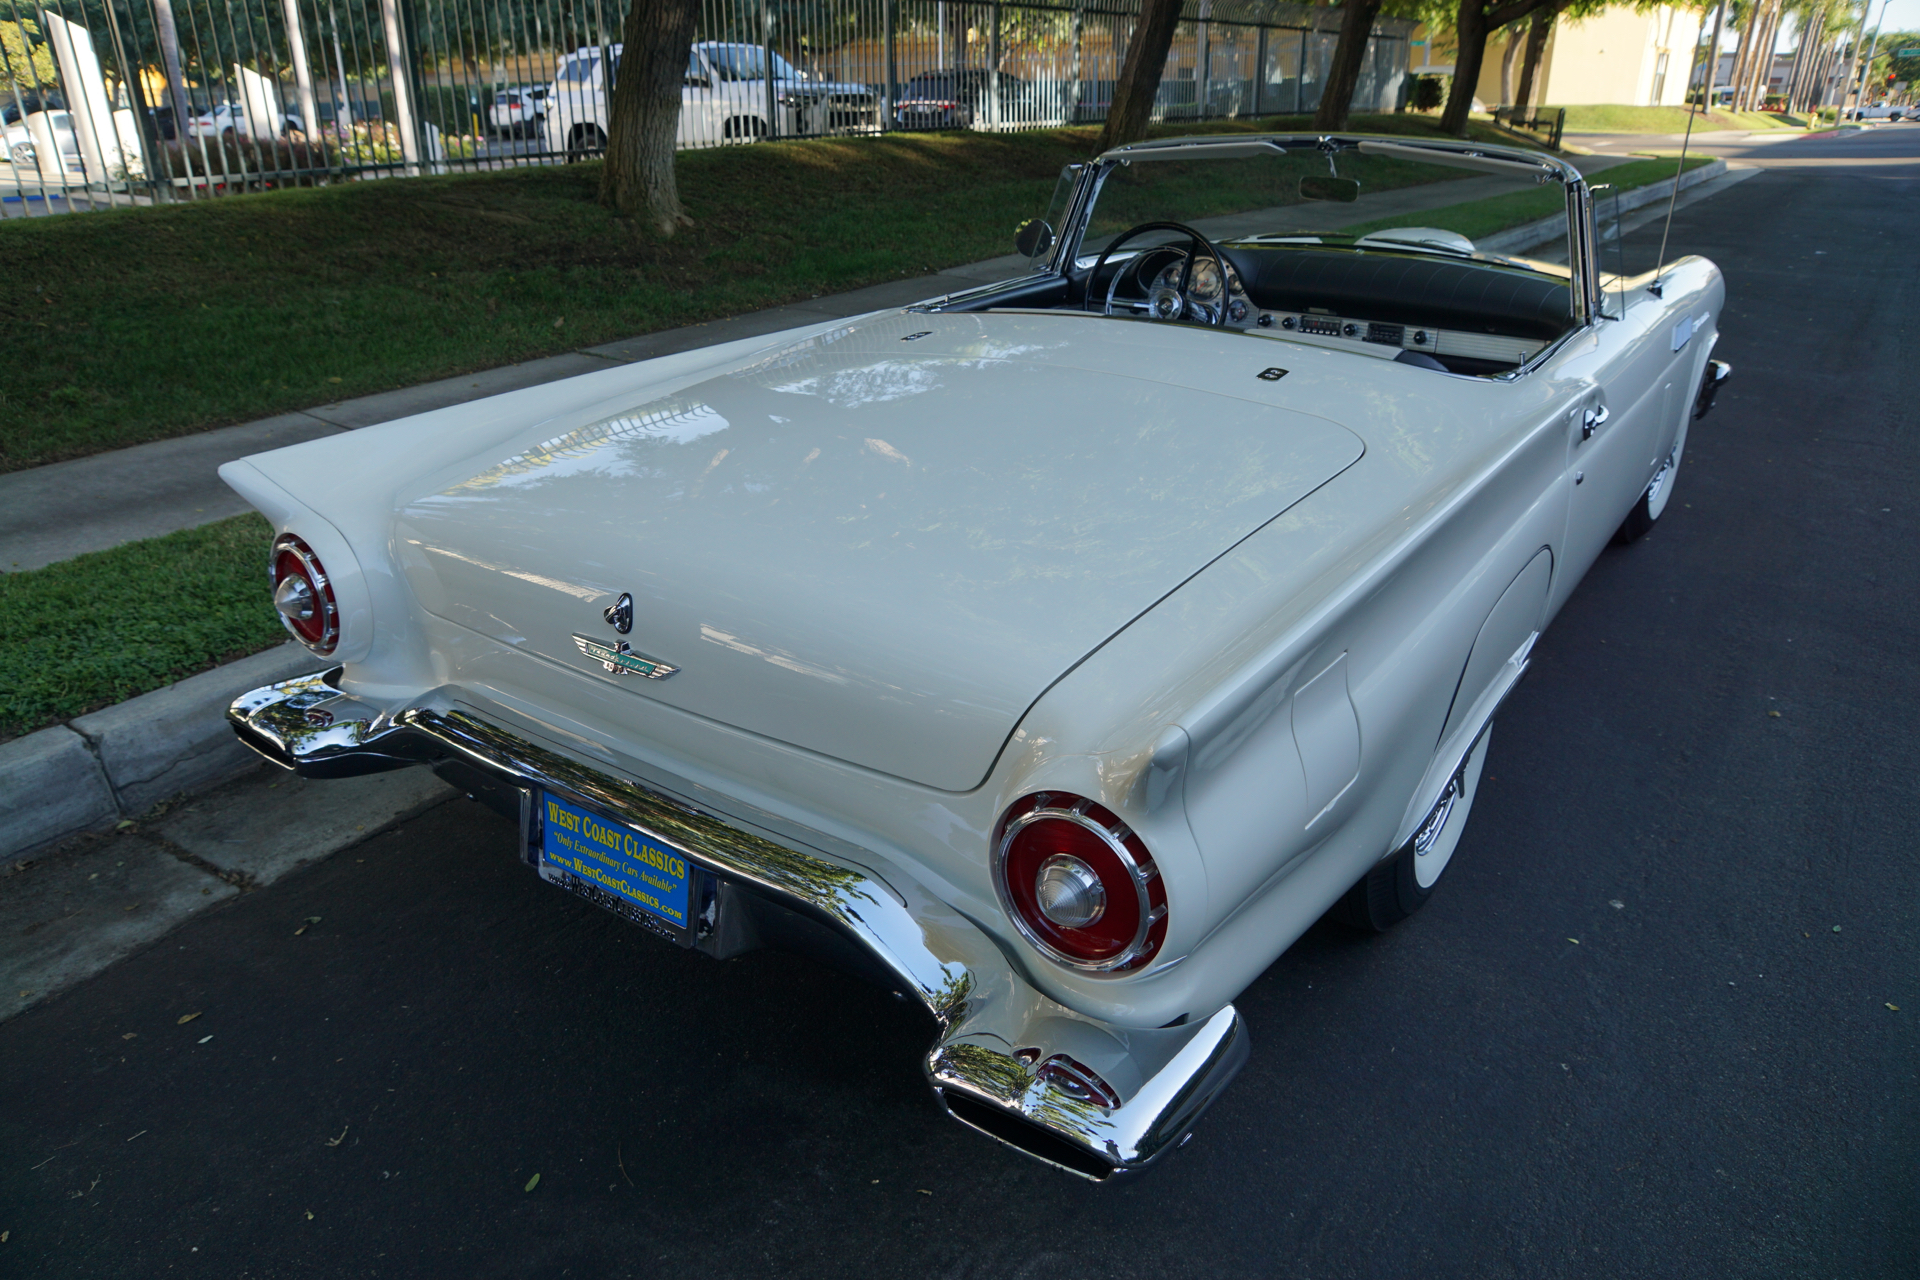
<point x="1055" y="653"/>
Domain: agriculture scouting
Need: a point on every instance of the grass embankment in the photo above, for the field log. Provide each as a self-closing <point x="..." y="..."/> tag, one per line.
<point x="1619" y="119"/>
<point x="1478" y="218"/>
<point x="180" y="604"/>
<point x="132" y="325"/>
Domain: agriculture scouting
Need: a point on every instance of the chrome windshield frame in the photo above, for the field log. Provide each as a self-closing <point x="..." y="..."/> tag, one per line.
<point x="1582" y="262"/>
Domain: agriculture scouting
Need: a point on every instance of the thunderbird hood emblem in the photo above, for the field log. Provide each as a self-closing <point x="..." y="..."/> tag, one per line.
<point x="620" y="659"/>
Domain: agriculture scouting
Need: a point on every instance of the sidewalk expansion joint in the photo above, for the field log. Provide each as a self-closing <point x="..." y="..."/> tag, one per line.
<point x="238" y="879"/>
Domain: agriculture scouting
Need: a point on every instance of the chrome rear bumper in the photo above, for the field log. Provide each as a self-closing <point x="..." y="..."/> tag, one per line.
<point x="1008" y="1061"/>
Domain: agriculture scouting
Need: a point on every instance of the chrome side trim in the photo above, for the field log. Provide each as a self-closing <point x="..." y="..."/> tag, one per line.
<point x="1452" y="756"/>
<point x="995" y="1031"/>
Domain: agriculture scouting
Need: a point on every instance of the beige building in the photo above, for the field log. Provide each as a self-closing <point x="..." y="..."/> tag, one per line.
<point x="1618" y="56"/>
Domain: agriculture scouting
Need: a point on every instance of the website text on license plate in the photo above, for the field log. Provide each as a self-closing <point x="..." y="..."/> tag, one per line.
<point x="601" y="854"/>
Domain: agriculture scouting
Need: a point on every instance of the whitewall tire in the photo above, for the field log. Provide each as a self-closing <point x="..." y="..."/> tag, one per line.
<point x="1400" y="884"/>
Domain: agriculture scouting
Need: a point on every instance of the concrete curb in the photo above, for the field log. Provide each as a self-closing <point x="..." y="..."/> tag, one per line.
<point x="1532" y="233"/>
<point x="117" y="763"/>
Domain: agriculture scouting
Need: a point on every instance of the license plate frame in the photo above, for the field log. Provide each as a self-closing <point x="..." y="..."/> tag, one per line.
<point x="615" y="865"/>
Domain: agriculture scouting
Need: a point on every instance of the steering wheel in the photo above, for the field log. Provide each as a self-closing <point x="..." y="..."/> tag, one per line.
<point x="1173" y="305"/>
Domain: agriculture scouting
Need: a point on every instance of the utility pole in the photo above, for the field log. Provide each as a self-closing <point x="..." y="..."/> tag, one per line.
<point x="1866" y="68"/>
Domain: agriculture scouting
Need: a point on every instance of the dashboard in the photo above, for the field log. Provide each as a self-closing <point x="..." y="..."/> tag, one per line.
<point x="1350" y="331"/>
<point x="1376" y="329"/>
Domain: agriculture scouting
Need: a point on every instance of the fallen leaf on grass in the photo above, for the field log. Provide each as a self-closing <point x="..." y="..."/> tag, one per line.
<point x="1775" y="715"/>
<point x="134" y="907"/>
<point x="1616" y="904"/>
<point x="923" y="1191"/>
<point x="185" y="1018"/>
<point x="309" y="923"/>
<point x="334" y="1142"/>
<point x="1836" y="928"/>
<point x="129" y="1035"/>
<point x="204" y="1039"/>
<point x="1894" y="1007"/>
<point x="533" y="1182"/>
<point x="309" y="1215"/>
<point x="1574" y="941"/>
<point x="123" y="824"/>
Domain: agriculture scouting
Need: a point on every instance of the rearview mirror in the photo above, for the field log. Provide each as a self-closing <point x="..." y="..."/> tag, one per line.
<point x="1034" y="237"/>
<point x="1341" y="190"/>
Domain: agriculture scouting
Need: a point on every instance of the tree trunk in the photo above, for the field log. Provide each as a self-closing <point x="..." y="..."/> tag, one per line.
<point x="1506" y="66"/>
<point x="1139" y="81"/>
<point x="1760" y="74"/>
<point x="1537" y="33"/>
<point x="1470" y="28"/>
<point x="1743" y="64"/>
<point x="643" y="114"/>
<point x="1713" y="58"/>
<point x="1343" y="77"/>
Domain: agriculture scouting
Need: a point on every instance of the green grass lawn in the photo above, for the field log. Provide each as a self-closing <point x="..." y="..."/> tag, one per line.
<point x="181" y="603"/>
<point x="1498" y="213"/>
<point x="1619" y="119"/>
<point x="138" y="324"/>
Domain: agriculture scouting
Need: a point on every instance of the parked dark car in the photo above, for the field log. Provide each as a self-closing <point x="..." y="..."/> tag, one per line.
<point x="955" y="99"/>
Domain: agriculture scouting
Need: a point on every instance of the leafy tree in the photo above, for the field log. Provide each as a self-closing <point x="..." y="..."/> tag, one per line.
<point x="1890" y="66"/>
<point x="26" y="59"/>
<point x="1473" y="23"/>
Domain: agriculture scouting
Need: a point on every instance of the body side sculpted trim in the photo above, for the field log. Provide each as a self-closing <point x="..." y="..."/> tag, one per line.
<point x="995" y="1030"/>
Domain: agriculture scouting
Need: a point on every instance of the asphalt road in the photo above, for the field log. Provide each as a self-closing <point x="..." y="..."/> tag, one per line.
<point x="1644" y="1030"/>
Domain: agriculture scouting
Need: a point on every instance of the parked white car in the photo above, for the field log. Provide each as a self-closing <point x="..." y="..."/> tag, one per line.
<point x="1056" y="653"/>
<point x="27" y="137"/>
<point x="230" y="118"/>
<point x="519" y="111"/>
<point x="727" y="97"/>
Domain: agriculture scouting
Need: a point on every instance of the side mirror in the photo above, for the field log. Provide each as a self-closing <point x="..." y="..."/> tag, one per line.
<point x="1340" y="190"/>
<point x="1033" y="238"/>
<point x="699" y="82"/>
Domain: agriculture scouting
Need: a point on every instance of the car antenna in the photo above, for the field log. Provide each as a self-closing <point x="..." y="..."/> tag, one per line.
<point x="1654" y="286"/>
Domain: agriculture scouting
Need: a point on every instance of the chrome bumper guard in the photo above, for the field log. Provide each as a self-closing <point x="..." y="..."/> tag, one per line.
<point x="1089" y="1097"/>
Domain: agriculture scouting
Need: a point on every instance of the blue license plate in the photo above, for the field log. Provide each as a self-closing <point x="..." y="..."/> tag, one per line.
<point x="596" y="853"/>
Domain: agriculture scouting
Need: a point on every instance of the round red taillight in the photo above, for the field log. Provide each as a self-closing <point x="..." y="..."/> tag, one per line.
<point x="303" y="595"/>
<point x="1079" y="884"/>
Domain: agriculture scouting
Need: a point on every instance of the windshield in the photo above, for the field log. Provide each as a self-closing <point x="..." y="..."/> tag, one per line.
<point x="1363" y="203"/>
<point x="746" y="62"/>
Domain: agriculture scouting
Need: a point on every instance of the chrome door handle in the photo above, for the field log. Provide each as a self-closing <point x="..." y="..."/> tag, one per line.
<point x="1592" y="420"/>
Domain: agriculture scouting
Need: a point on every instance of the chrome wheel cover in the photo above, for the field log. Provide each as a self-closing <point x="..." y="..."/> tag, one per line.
<point x="1438" y="834"/>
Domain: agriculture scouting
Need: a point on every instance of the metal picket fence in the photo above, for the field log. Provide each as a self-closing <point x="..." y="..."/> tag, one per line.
<point x="114" y="102"/>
